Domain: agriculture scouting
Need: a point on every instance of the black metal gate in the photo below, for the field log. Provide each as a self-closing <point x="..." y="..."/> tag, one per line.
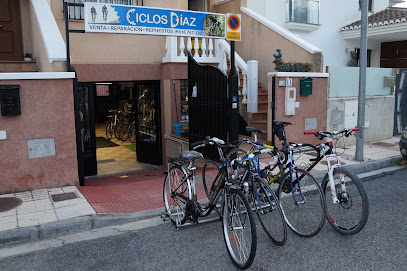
<point x="84" y="105"/>
<point x="208" y="104"/>
<point x="400" y="115"/>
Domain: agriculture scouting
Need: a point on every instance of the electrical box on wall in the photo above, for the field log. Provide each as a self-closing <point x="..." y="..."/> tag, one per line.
<point x="290" y="94"/>
<point x="306" y="86"/>
<point x="10" y="100"/>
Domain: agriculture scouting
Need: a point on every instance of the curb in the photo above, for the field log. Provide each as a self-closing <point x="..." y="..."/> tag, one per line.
<point x="84" y="223"/>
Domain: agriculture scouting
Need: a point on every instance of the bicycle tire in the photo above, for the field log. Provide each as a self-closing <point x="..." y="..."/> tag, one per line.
<point x="346" y="217"/>
<point x="269" y="212"/>
<point x="132" y="133"/>
<point x="109" y="130"/>
<point x="304" y="216"/>
<point x="123" y="131"/>
<point x="175" y="205"/>
<point x="239" y="229"/>
<point x="116" y="130"/>
<point x="209" y="172"/>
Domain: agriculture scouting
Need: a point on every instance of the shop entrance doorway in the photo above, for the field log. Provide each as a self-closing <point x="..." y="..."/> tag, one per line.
<point x="119" y="127"/>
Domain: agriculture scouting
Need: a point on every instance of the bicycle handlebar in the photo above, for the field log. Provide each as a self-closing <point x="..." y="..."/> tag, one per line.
<point x="215" y="141"/>
<point x="321" y="134"/>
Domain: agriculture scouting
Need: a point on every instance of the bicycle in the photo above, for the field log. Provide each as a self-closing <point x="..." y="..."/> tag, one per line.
<point x="261" y="197"/>
<point x="348" y="210"/>
<point x="112" y="124"/>
<point x="127" y="129"/>
<point x="301" y="197"/>
<point x="181" y="203"/>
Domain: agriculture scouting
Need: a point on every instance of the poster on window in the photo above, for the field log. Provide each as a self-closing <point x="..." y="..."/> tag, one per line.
<point x="108" y="18"/>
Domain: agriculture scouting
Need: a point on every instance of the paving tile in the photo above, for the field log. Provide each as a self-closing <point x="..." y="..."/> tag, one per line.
<point x="71" y="202"/>
<point x="12" y="212"/>
<point x="8" y="225"/>
<point x="47" y="217"/>
<point x="7" y="195"/>
<point x="27" y="221"/>
<point x="42" y="205"/>
<point x="53" y="191"/>
<point x="7" y="219"/>
<point x="25" y="196"/>
<point x="68" y="189"/>
<point x="26" y="208"/>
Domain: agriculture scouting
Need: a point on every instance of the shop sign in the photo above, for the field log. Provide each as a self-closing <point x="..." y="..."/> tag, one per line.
<point x="108" y="18"/>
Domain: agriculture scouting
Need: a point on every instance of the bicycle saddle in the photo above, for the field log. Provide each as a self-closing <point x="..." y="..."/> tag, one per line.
<point x="278" y="123"/>
<point x="253" y="130"/>
<point x="190" y="155"/>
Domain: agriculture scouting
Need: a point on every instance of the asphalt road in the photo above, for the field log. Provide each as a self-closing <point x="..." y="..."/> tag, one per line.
<point x="381" y="245"/>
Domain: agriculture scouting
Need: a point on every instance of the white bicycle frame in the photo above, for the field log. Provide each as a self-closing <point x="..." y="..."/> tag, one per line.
<point x="329" y="158"/>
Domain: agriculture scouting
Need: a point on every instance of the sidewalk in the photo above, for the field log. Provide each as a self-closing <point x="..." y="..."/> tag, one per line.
<point x="122" y="199"/>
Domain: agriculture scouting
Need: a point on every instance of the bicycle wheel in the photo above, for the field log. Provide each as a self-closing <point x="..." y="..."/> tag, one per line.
<point x="239" y="229"/>
<point x="109" y="130"/>
<point x="269" y="212"/>
<point x="350" y="215"/>
<point x="116" y="130"/>
<point x="176" y="192"/>
<point x="123" y="131"/>
<point x="209" y="173"/>
<point x="304" y="205"/>
<point x="132" y="133"/>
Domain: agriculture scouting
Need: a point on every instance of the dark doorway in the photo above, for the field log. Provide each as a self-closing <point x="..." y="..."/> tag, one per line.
<point x="400" y="115"/>
<point x="11" y="46"/>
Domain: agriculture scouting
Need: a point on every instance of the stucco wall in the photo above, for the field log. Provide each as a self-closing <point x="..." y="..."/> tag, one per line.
<point x="310" y="106"/>
<point x="379" y="116"/>
<point x="260" y="43"/>
<point x="46" y="112"/>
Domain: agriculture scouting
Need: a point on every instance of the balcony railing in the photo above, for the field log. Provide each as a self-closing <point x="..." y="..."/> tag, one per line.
<point x="77" y="13"/>
<point x="303" y="11"/>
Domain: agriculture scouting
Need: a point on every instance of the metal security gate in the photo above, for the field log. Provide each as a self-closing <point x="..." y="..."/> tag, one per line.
<point x="400" y="115"/>
<point x="208" y="104"/>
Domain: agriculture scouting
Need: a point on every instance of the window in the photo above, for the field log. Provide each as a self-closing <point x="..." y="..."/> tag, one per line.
<point x="303" y="11"/>
<point x="369" y="5"/>
<point x="369" y="56"/>
<point x="77" y="13"/>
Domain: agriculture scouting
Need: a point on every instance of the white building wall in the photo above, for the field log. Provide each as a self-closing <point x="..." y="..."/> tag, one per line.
<point x="333" y="15"/>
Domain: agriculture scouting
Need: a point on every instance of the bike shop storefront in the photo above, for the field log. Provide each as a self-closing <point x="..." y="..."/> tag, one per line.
<point x="118" y="127"/>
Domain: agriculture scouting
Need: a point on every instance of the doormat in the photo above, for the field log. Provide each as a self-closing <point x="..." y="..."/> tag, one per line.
<point x="102" y="142"/>
<point x="131" y="147"/>
<point x="7" y="204"/>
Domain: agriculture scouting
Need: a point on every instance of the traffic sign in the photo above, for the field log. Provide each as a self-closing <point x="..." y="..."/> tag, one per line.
<point x="233" y="26"/>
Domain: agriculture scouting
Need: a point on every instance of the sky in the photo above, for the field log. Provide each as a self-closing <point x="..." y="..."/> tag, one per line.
<point x="402" y="5"/>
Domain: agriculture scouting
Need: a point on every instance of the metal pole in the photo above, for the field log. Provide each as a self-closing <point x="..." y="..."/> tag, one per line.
<point x="362" y="83"/>
<point x="68" y="57"/>
<point x="273" y="109"/>
<point x="233" y="97"/>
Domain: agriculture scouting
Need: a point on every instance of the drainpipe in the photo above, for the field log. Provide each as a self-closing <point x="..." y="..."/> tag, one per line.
<point x="362" y="84"/>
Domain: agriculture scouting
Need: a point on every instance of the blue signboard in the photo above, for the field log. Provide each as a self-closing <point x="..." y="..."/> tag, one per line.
<point x="110" y="18"/>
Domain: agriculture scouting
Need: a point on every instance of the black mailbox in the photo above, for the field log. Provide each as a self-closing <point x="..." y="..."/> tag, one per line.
<point x="306" y="86"/>
<point x="10" y="100"/>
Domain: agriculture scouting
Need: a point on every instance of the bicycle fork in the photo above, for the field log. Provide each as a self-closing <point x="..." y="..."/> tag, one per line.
<point x="331" y="169"/>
